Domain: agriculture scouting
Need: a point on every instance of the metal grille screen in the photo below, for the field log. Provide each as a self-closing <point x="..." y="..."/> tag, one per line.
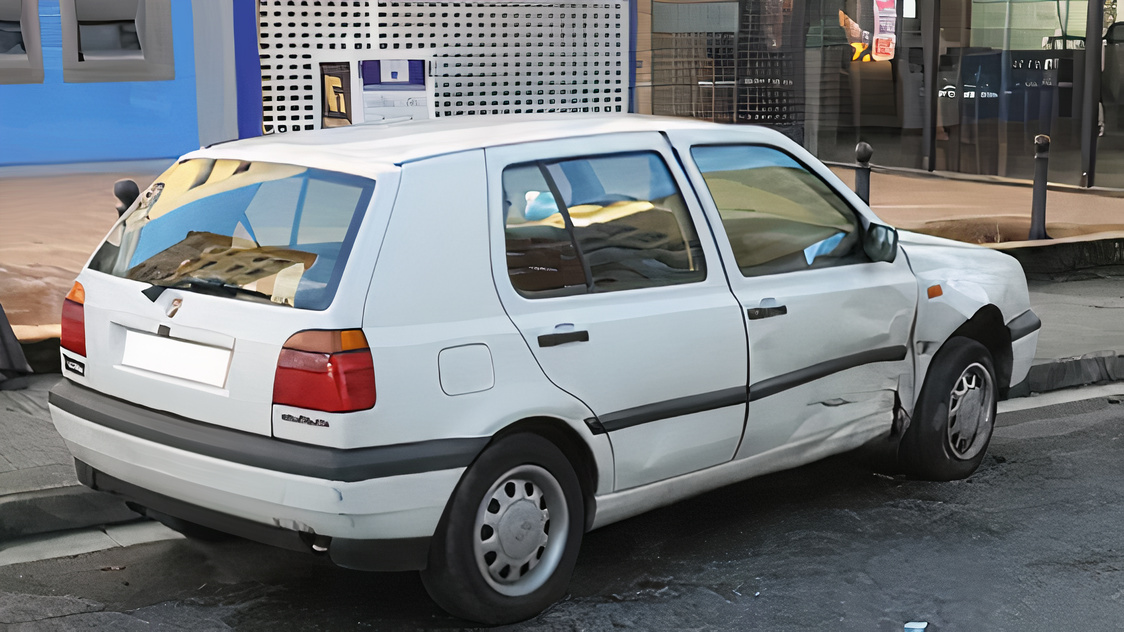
<point x="515" y="57"/>
<point x="484" y="57"/>
<point x="294" y="37"/>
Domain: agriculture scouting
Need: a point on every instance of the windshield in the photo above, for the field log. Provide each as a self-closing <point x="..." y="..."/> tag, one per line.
<point x="250" y="230"/>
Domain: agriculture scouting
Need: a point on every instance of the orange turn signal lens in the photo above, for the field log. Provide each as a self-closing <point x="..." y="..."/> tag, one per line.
<point x="935" y="291"/>
<point x="333" y="341"/>
<point x="76" y="293"/>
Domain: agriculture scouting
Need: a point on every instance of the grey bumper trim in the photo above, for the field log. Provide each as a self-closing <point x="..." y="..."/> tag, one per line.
<point x="334" y="464"/>
<point x="1023" y="325"/>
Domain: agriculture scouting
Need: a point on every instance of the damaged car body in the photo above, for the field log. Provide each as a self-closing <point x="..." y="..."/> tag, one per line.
<point x="457" y="346"/>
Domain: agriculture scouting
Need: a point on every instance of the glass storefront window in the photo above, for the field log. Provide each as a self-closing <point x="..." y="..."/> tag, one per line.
<point x="961" y="86"/>
<point x="1110" y="144"/>
<point x="1004" y="71"/>
<point x="693" y="59"/>
<point x="1007" y="72"/>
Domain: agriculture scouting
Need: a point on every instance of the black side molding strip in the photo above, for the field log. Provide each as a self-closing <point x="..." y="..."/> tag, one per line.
<point x="279" y="455"/>
<point x="780" y="383"/>
<point x="1023" y="325"/>
<point x="667" y="409"/>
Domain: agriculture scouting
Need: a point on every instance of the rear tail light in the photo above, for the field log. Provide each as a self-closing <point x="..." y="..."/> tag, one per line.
<point x="74" y="320"/>
<point x="330" y="371"/>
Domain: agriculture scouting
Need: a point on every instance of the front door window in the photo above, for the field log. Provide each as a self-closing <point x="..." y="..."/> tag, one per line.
<point x="779" y="216"/>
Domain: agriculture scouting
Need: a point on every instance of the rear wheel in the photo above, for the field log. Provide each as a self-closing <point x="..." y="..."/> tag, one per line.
<point x="955" y="414"/>
<point x="507" y="544"/>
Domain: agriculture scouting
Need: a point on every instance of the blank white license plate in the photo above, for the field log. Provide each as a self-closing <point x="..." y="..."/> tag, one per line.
<point x="167" y="356"/>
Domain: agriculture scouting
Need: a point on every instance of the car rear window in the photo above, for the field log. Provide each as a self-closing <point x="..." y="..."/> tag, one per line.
<point x="258" y="231"/>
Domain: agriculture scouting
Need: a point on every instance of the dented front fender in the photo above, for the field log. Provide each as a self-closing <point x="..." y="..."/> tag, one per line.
<point x="958" y="283"/>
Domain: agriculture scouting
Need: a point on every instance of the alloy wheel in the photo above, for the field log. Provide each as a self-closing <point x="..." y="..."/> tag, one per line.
<point x="971" y="412"/>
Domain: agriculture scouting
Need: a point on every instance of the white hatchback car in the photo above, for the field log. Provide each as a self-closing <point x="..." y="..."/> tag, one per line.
<point x="457" y="345"/>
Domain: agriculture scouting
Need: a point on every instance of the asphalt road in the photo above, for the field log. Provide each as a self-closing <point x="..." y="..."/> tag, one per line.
<point x="1032" y="541"/>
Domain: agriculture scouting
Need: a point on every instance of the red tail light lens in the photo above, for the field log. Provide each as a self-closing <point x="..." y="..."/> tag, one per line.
<point x="326" y="370"/>
<point x="74" y="320"/>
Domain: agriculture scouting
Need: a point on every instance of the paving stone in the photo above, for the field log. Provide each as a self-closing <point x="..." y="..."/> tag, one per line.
<point x="16" y="608"/>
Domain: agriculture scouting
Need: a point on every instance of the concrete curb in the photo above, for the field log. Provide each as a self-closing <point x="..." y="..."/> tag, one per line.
<point x="1049" y="257"/>
<point x="58" y="509"/>
<point x="1046" y="258"/>
<point x="1094" y="368"/>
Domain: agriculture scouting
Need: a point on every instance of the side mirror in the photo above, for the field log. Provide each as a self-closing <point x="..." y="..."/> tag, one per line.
<point x="881" y="243"/>
<point x="126" y="192"/>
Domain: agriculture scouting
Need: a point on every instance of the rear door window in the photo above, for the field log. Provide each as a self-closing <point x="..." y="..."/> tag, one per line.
<point x="258" y="231"/>
<point x="597" y="224"/>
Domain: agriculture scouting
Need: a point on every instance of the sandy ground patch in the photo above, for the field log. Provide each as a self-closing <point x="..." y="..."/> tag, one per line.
<point x="51" y="226"/>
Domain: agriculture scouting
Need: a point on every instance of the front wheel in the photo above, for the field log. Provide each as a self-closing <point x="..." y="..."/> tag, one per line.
<point x="508" y="541"/>
<point x="955" y="414"/>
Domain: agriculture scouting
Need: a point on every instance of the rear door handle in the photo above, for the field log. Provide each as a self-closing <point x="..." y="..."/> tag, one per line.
<point x="757" y="313"/>
<point x="553" y="340"/>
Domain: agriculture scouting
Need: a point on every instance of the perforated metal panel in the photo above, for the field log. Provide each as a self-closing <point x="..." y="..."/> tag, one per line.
<point x="484" y="57"/>
<point x="515" y="57"/>
<point x="294" y="37"/>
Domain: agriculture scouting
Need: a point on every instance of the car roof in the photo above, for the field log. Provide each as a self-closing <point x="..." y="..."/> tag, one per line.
<point x="371" y="148"/>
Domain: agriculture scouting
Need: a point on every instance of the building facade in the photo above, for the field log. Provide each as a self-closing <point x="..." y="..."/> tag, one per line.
<point x="102" y="80"/>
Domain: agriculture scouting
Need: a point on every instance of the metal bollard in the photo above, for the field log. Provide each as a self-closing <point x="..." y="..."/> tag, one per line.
<point x="1038" y="204"/>
<point x="863" y="152"/>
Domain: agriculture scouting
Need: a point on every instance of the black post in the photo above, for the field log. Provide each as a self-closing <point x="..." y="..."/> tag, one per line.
<point x="1038" y="205"/>
<point x="1091" y="97"/>
<point x="863" y="152"/>
<point x="930" y="13"/>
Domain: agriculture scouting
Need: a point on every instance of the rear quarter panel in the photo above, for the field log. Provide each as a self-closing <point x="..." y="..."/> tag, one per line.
<point x="437" y="329"/>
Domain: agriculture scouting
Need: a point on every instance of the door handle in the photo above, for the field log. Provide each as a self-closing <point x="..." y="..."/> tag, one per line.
<point x="757" y="313"/>
<point x="553" y="340"/>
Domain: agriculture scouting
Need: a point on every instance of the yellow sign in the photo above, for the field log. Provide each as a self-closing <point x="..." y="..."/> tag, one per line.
<point x="333" y="89"/>
<point x="860" y="52"/>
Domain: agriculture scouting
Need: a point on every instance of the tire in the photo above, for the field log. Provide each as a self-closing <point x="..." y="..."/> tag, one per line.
<point x="955" y="414"/>
<point x="507" y="543"/>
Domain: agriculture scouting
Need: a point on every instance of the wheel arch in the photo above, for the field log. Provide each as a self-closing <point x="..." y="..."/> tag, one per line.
<point x="942" y="322"/>
<point x="986" y="327"/>
<point x="572" y="445"/>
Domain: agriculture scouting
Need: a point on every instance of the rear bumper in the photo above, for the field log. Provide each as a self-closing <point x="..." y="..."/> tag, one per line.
<point x="401" y="554"/>
<point x="366" y="501"/>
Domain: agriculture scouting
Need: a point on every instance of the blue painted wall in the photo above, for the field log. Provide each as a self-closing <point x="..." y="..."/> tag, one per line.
<point x="57" y="122"/>
<point x="247" y="68"/>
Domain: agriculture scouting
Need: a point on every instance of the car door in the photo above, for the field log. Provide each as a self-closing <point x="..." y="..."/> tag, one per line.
<point x="828" y="328"/>
<point x="606" y="268"/>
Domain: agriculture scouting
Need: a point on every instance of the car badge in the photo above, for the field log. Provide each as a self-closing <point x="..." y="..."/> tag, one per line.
<point x="174" y="307"/>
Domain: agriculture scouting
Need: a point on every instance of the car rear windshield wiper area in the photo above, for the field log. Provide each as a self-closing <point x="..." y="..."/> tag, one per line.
<point x="208" y="286"/>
